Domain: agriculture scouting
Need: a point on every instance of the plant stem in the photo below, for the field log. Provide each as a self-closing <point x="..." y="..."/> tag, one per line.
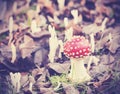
<point x="78" y="72"/>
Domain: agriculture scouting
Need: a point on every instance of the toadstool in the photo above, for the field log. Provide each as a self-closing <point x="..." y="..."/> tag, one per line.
<point x="76" y="49"/>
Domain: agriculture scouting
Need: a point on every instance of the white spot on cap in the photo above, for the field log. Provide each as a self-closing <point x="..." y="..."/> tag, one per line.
<point x="80" y="51"/>
<point x="78" y="39"/>
<point x="71" y="48"/>
<point x="88" y="49"/>
<point x="72" y="43"/>
<point x="76" y="56"/>
<point x="88" y="53"/>
<point x="68" y="50"/>
<point x="65" y="53"/>
<point x="77" y="52"/>
<point x="75" y="47"/>
<point x="73" y="53"/>
<point x="84" y="50"/>
<point x="68" y="54"/>
<point x="81" y="55"/>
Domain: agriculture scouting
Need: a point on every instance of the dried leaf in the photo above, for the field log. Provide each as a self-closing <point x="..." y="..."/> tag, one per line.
<point x="42" y="84"/>
<point x="69" y="89"/>
<point x="3" y="9"/>
<point x="90" y="60"/>
<point x="101" y="80"/>
<point x="60" y="68"/>
<point x="27" y="47"/>
<point x="114" y="43"/>
<point x="107" y="59"/>
<point x="24" y="79"/>
<point x="92" y="28"/>
<point x="40" y="56"/>
<point x="44" y="90"/>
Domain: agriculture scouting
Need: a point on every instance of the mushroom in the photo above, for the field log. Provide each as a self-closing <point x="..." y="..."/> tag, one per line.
<point x="76" y="49"/>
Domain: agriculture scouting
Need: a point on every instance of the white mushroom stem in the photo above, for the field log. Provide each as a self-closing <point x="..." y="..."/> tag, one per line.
<point x="69" y="34"/>
<point x="78" y="72"/>
<point x="14" y="55"/>
<point x="61" y="4"/>
<point x="53" y="43"/>
<point x="37" y="9"/>
<point x="110" y="37"/>
<point x="30" y="86"/>
<point x="34" y="27"/>
<point x="80" y="18"/>
<point x="66" y="22"/>
<point x="103" y="26"/>
<point x="10" y="29"/>
<point x="12" y="76"/>
<point x="75" y="15"/>
<point x="92" y="41"/>
<point x="15" y="78"/>
<point x="18" y="77"/>
<point x="61" y="48"/>
<point x="52" y="31"/>
<point x="92" y="59"/>
<point x="11" y="24"/>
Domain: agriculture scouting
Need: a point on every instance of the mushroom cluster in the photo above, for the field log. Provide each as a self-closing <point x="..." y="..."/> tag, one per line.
<point x="76" y="49"/>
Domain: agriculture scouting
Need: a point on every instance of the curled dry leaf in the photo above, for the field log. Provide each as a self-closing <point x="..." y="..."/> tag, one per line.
<point x="38" y="71"/>
<point x="103" y="79"/>
<point x="42" y="84"/>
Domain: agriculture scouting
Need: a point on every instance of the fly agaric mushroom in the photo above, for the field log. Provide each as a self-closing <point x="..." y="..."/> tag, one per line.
<point x="76" y="49"/>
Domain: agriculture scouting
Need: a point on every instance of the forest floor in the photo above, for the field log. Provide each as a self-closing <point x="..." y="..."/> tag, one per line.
<point x="26" y="63"/>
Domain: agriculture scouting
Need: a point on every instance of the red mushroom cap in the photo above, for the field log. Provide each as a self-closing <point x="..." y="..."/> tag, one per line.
<point x="77" y="47"/>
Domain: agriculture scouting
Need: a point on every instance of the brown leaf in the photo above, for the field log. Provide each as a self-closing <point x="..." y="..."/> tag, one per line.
<point x="46" y="90"/>
<point x="97" y="84"/>
<point x="107" y="59"/>
<point x="92" y="28"/>
<point x="27" y="47"/>
<point x="115" y="44"/>
<point x="103" y="79"/>
<point x="42" y="84"/>
<point x="60" y="68"/>
<point x="110" y="39"/>
<point x="114" y="41"/>
<point x="69" y="89"/>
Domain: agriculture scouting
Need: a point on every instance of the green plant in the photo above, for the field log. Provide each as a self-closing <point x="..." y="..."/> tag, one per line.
<point x="56" y="80"/>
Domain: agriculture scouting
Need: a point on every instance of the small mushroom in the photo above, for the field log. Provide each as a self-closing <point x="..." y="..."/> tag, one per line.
<point x="76" y="49"/>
